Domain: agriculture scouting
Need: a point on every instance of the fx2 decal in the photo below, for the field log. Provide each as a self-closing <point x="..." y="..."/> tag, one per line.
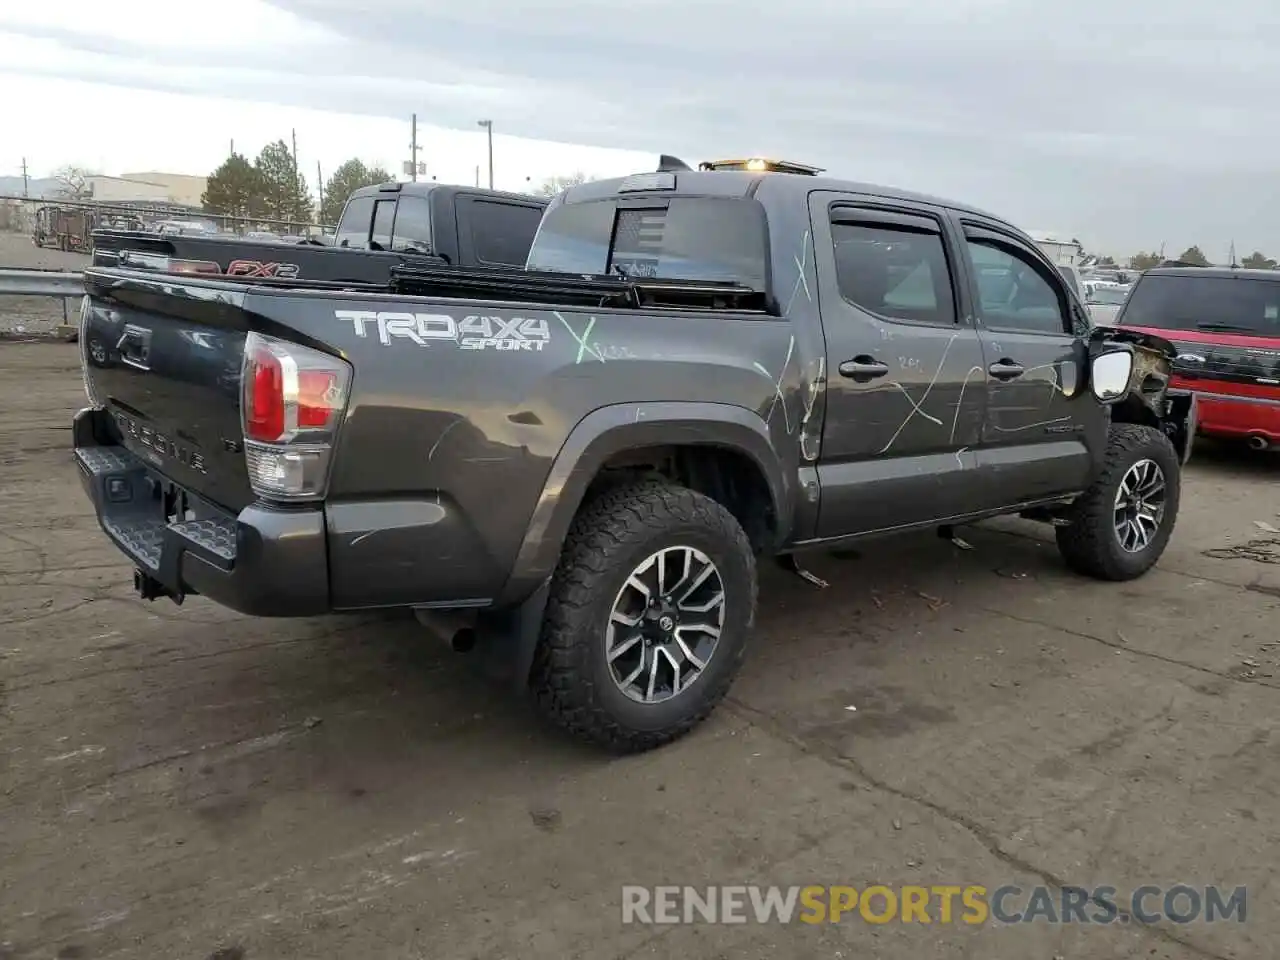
<point x="471" y="333"/>
<point x="259" y="268"/>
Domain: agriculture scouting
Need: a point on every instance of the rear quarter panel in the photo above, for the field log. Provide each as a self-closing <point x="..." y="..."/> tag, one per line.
<point x="459" y="409"/>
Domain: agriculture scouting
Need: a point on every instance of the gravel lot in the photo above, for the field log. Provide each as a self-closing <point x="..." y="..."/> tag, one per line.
<point x="187" y="783"/>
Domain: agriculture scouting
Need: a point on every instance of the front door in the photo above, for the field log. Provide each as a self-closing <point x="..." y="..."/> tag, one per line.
<point x="1042" y="421"/>
<point x="905" y="379"/>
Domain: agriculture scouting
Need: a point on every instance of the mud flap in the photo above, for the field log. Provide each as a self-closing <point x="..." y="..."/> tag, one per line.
<point x="506" y="640"/>
<point x="1181" y="422"/>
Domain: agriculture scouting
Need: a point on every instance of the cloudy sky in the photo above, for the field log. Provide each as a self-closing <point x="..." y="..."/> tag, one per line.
<point x="1127" y="125"/>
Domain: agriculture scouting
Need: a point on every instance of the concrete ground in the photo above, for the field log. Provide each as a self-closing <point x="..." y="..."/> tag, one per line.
<point x="187" y="783"/>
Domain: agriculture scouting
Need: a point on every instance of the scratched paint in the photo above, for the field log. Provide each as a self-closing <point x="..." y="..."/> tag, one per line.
<point x="779" y="398"/>
<point x="802" y="267"/>
<point x="917" y="406"/>
<point x="809" y="442"/>
<point x="585" y="347"/>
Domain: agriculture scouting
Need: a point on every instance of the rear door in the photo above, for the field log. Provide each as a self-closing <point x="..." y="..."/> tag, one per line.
<point x="905" y="390"/>
<point x="1041" y="422"/>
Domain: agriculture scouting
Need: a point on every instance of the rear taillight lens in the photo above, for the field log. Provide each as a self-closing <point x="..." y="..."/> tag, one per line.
<point x="85" y="347"/>
<point x="293" y="399"/>
<point x="157" y="261"/>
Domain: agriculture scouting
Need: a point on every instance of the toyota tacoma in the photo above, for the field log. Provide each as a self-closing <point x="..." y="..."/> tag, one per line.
<point x="577" y="464"/>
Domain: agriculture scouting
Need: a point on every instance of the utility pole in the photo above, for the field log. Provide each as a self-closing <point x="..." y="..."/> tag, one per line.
<point x="413" y="148"/>
<point x="293" y="187"/>
<point x="488" y="126"/>
<point x="319" y="191"/>
<point x="477" y="175"/>
<point x="233" y="149"/>
<point x="26" y="193"/>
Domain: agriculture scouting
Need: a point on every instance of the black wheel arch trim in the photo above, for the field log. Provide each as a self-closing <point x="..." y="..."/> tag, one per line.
<point x="616" y="428"/>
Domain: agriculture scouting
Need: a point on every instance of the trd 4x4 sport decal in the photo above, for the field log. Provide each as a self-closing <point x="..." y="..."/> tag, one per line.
<point x="471" y="333"/>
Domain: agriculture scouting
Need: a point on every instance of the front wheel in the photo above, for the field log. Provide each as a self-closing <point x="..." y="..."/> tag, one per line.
<point x="648" y="616"/>
<point x="1122" y="523"/>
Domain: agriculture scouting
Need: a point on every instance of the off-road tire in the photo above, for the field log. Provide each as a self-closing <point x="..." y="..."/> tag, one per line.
<point x="1090" y="545"/>
<point x="610" y="536"/>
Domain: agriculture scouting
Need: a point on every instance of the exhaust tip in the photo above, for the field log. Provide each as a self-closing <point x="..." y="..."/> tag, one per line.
<point x="464" y="640"/>
<point x="1259" y="442"/>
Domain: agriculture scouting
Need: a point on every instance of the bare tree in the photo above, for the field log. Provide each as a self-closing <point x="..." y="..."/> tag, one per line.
<point x="73" y="182"/>
<point x="554" y="185"/>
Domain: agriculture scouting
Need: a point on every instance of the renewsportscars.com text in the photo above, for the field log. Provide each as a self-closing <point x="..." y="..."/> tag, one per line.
<point x="943" y="904"/>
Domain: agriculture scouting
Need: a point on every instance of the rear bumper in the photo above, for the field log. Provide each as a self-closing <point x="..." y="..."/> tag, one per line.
<point x="1225" y="415"/>
<point x="263" y="562"/>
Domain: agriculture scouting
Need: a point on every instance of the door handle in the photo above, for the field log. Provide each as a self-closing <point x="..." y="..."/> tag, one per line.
<point x="863" y="369"/>
<point x="1006" y="370"/>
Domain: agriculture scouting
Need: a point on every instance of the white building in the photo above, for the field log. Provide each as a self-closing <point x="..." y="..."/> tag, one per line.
<point x="1062" y="251"/>
<point x="177" y="188"/>
<point x="181" y="188"/>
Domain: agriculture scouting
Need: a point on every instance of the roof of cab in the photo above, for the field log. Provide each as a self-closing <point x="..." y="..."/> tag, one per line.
<point x="1239" y="273"/>
<point x="423" y="187"/>
<point x="741" y="183"/>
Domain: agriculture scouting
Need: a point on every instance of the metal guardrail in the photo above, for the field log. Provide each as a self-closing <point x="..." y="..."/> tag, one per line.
<point x="41" y="283"/>
<point x="60" y="284"/>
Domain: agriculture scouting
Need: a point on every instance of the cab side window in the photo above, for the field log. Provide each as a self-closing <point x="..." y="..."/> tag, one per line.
<point x="892" y="269"/>
<point x="1013" y="293"/>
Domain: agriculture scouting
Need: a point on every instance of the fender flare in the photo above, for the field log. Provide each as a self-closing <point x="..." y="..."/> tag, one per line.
<point x="626" y="426"/>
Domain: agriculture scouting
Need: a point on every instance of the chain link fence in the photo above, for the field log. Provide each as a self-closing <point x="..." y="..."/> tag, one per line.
<point x="68" y="224"/>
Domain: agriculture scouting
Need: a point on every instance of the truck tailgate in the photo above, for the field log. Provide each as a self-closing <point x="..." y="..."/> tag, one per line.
<point x="165" y="361"/>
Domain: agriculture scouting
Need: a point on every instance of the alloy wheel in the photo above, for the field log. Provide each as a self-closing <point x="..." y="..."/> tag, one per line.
<point x="665" y="624"/>
<point x="1140" y="506"/>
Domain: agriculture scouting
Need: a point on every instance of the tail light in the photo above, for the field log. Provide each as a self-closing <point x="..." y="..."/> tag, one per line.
<point x="157" y="261"/>
<point x="293" y="400"/>
<point x="86" y="348"/>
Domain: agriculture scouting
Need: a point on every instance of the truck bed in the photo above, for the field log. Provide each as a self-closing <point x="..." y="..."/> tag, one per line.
<point x="248" y="258"/>
<point x="457" y="410"/>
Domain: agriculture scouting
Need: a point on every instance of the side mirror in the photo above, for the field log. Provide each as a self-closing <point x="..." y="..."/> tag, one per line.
<point x="1110" y="374"/>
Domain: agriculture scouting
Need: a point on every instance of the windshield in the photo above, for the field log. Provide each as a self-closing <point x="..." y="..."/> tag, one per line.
<point x="1242" y="305"/>
<point x="677" y="238"/>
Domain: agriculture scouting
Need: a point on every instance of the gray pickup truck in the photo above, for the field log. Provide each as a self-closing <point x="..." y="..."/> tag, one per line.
<point x="577" y="465"/>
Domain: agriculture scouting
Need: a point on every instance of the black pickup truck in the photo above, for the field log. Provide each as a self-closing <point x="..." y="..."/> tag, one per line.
<point x="381" y="226"/>
<point x="577" y="465"/>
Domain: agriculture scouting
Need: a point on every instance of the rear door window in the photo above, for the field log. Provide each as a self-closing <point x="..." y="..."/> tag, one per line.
<point x="413" y="225"/>
<point x="1240" y="305"/>
<point x="894" y="272"/>
<point x="384" y="215"/>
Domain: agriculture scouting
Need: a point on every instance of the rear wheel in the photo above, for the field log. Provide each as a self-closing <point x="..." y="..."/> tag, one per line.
<point x="1122" y="523"/>
<point x="648" y="616"/>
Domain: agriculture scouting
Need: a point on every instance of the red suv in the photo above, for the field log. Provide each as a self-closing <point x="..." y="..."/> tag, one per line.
<point x="1225" y="323"/>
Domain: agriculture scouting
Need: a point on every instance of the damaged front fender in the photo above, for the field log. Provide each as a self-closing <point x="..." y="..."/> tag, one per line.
<point x="1150" y="401"/>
